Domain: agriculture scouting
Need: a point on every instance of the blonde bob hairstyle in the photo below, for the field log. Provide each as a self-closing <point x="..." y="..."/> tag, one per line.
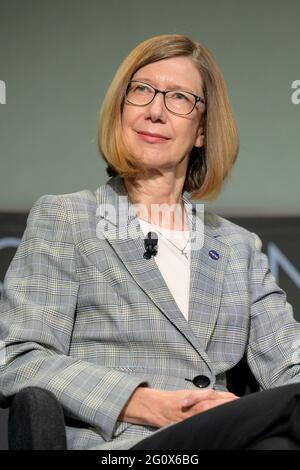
<point x="209" y="165"/>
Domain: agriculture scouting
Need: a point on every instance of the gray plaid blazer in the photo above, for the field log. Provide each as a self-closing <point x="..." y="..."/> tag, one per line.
<point x="88" y="318"/>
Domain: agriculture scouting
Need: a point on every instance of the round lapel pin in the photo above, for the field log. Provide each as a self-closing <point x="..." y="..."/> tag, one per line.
<point x="214" y="255"/>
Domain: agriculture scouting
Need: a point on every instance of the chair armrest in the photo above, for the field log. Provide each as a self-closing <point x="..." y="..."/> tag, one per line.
<point x="36" y="421"/>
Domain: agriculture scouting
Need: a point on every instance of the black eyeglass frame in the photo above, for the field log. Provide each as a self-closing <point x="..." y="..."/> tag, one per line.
<point x="156" y="91"/>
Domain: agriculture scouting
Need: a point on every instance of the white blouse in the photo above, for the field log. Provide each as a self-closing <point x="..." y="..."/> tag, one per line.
<point x="174" y="265"/>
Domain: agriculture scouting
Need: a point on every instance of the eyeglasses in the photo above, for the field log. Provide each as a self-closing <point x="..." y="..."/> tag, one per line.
<point x="176" y="101"/>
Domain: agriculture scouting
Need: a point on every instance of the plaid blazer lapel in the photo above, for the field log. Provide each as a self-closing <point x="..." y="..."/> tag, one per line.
<point x="113" y="203"/>
<point x="209" y="258"/>
<point x="208" y="265"/>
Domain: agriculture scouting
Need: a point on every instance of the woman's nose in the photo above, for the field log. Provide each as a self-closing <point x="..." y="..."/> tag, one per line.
<point x="156" y="108"/>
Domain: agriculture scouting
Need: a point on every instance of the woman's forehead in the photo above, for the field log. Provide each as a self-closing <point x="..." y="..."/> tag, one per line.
<point x="171" y="73"/>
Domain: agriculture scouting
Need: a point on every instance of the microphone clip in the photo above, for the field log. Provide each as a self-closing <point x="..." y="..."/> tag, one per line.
<point x="150" y="244"/>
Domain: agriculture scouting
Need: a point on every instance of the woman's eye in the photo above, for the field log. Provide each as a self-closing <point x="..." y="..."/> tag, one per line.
<point x="142" y="88"/>
<point x="180" y="97"/>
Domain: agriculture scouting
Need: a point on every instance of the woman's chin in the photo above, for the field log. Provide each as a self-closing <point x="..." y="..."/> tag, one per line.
<point x="155" y="163"/>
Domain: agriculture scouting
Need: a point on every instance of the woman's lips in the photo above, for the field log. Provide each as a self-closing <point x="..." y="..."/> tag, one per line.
<point x="152" y="138"/>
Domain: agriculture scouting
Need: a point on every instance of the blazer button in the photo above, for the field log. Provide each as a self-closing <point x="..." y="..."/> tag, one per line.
<point x="201" y="381"/>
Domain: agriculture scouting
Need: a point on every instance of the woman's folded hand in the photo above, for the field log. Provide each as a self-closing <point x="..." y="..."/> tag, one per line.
<point x="160" y="408"/>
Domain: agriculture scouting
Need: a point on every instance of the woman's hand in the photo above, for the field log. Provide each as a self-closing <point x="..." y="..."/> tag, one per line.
<point x="160" y="408"/>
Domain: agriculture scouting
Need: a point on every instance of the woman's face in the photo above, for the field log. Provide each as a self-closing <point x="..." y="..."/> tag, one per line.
<point x="181" y="132"/>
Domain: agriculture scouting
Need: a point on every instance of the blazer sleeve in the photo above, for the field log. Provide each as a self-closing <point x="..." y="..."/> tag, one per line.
<point x="273" y="350"/>
<point x="36" y="322"/>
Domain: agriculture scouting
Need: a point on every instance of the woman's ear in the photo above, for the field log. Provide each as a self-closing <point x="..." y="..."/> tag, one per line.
<point x="199" y="142"/>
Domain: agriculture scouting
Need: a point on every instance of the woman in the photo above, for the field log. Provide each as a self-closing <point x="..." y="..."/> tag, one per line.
<point x="134" y="331"/>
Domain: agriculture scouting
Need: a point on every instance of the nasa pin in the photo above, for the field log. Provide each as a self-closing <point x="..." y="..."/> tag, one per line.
<point x="214" y="255"/>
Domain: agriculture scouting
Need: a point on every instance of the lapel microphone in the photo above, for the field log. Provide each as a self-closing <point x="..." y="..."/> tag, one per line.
<point x="150" y="244"/>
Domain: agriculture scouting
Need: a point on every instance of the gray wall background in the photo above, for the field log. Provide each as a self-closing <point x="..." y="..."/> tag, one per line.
<point x="58" y="57"/>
